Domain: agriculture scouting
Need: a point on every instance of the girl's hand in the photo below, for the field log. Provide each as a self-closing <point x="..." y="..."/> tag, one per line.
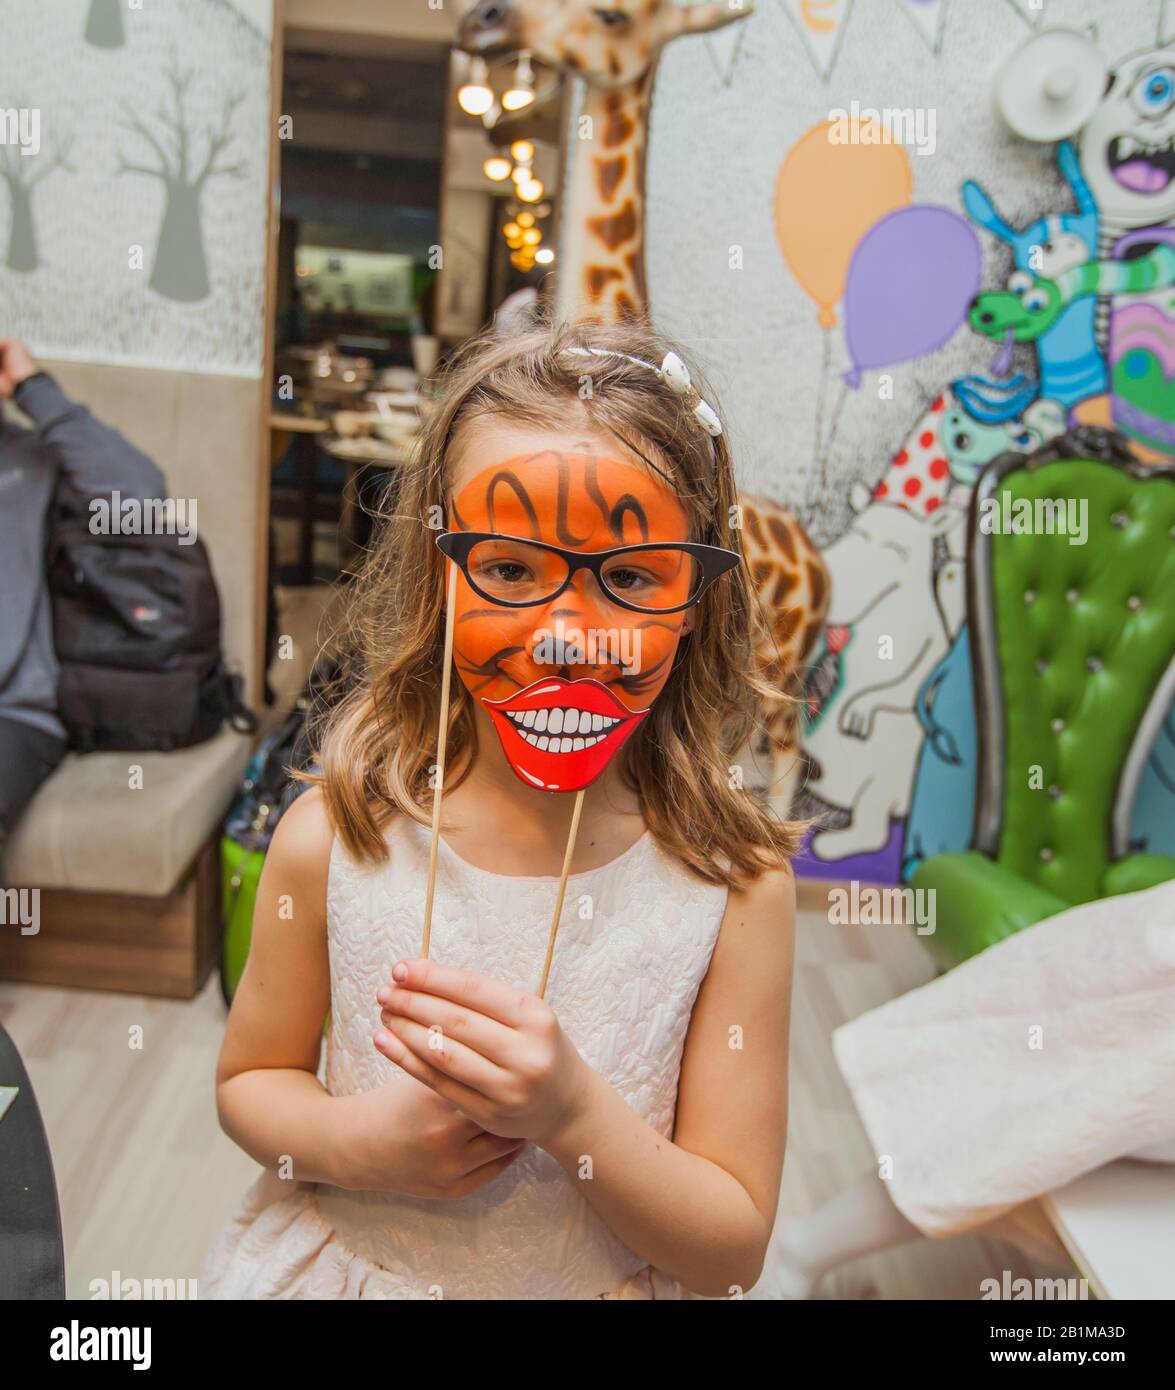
<point x="403" y="1137"/>
<point x="498" y="1054"/>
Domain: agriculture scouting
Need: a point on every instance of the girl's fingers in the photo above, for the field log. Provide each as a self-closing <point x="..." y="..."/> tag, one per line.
<point x="488" y="1147"/>
<point x="450" y="1057"/>
<point x="394" y="1050"/>
<point x="493" y="1040"/>
<point x="506" y="1004"/>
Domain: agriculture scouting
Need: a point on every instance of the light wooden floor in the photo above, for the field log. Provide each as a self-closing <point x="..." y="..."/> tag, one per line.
<point x="146" y="1177"/>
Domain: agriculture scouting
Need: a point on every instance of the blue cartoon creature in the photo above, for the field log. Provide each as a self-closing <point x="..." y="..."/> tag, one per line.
<point x="1071" y="367"/>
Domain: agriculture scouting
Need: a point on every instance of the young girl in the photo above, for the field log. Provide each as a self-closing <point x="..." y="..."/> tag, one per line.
<point x="623" y="1136"/>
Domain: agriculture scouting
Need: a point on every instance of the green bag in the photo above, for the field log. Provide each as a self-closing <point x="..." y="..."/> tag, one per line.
<point x="267" y="790"/>
<point x="240" y="872"/>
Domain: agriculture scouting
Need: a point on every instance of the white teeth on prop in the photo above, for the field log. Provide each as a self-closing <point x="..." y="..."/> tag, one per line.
<point x="536" y="726"/>
<point x="562" y="745"/>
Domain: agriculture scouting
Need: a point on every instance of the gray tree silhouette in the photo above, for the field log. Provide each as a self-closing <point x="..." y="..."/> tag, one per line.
<point x="181" y="267"/>
<point x="104" y="26"/>
<point x="22" y="173"/>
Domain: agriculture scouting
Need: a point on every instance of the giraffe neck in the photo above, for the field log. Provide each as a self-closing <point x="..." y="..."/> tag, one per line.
<point x="602" y="269"/>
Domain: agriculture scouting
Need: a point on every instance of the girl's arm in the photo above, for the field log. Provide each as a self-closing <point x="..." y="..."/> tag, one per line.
<point x="702" y="1207"/>
<point x="400" y="1137"/>
<point x="268" y="1094"/>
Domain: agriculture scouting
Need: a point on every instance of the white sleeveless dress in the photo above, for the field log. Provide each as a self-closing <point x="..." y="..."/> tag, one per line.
<point x="633" y="948"/>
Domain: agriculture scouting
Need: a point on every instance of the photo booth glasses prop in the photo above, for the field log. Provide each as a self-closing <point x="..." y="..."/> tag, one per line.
<point x="649" y="578"/>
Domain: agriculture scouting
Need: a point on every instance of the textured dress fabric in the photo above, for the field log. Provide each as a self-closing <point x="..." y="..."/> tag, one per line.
<point x="634" y="945"/>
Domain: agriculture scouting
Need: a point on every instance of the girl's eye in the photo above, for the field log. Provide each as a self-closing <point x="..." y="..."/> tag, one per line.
<point x="504" y="571"/>
<point x="627" y="579"/>
<point x="1156" y="92"/>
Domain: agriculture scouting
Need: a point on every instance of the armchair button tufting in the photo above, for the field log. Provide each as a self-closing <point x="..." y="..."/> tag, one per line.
<point x="1029" y="595"/>
<point x="1134" y="603"/>
<point x="1055" y="792"/>
<point x="1041" y="665"/>
<point x="1119" y="519"/>
<point x="1046" y="855"/>
<point x="1057" y="725"/>
<point x="1094" y="664"/>
<point x="1072" y="595"/>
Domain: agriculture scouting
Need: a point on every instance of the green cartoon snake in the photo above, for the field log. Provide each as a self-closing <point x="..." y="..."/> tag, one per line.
<point x="1030" y="306"/>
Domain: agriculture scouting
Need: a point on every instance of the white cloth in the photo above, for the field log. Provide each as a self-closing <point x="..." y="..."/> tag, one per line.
<point x="1042" y="1058"/>
<point x="633" y="948"/>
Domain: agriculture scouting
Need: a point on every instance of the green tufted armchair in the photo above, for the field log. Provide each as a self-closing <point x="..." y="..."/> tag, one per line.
<point x="1073" y="654"/>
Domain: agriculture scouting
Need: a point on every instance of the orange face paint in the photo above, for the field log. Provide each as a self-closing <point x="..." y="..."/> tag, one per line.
<point x="566" y="681"/>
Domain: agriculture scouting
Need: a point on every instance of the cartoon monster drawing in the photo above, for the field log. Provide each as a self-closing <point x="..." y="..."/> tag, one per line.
<point x="1127" y="147"/>
<point x="1030" y="306"/>
<point x="970" y="444"/>
<point x="1070" y="365"/>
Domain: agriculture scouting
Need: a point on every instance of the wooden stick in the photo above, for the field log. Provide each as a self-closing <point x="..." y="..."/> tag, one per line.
<point x="438" y="790"/>
<point x="571" y="834"/>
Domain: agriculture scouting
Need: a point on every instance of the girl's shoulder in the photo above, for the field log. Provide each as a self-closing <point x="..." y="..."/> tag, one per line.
<point x="305" y="833"/>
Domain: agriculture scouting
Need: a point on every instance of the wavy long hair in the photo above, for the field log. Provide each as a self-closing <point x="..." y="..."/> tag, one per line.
<point x="376" y="739"/>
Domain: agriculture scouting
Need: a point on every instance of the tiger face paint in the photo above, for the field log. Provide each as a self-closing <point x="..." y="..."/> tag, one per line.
<point x="567" y="681"/>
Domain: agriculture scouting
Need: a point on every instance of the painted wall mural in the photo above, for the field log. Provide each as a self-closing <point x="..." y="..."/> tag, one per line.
<point x="899" y="312"/>
<point x="134" y="229"/>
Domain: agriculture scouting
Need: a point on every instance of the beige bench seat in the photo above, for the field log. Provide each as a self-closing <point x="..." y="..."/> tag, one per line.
<point x="89" y="829"/>
<point x="127" y="877"/>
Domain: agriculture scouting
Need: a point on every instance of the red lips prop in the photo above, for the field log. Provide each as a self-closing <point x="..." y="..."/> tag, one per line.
<point x="559" y="735"/>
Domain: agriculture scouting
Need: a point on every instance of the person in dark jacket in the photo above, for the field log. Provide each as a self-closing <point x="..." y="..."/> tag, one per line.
<point x="66" y="445"/>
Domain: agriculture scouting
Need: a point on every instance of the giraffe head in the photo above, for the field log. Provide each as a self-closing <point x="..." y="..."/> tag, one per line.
<point x="609" y="43"/>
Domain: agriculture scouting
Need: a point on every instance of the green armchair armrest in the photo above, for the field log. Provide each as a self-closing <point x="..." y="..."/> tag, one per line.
<point x="977" y="903"/>
<point x="1136" y="872"/>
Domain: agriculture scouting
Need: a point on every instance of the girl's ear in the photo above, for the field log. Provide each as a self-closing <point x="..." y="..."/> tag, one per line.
<point x="687" y="621"/>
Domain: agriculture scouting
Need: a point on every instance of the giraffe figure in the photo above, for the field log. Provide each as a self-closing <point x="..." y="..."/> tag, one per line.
<point x="614" y="46"/>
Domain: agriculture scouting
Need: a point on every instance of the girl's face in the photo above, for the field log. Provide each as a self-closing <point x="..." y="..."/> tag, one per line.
<point x="565" y="681"/>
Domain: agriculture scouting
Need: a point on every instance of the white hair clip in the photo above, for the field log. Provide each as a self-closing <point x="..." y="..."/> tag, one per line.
<point x="674" y="373"/>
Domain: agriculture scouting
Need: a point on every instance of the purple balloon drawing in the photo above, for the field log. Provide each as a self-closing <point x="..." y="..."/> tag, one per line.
<point x="912" y="276"/>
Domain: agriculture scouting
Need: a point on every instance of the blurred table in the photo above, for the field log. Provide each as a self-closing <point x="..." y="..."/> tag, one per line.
<point x="304" y="430"/>
<point x="357" y="453"/>
<point x="1118" y="1223"/>
<point x="32" y="1259"/>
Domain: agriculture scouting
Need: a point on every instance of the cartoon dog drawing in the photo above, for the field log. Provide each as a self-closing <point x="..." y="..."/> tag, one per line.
<point x="885" y="618"/>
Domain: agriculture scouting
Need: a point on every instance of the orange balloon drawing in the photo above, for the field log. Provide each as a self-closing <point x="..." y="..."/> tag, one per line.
<point x="827" y="196"/>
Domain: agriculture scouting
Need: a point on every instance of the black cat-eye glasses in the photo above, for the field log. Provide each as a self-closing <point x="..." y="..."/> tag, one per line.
<point x="647" y="578"/>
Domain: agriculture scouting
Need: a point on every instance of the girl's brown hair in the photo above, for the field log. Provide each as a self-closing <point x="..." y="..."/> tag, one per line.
<point x="377" y="744"/>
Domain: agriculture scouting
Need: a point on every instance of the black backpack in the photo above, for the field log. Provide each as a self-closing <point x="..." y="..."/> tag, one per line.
<point x="136" y="626"/>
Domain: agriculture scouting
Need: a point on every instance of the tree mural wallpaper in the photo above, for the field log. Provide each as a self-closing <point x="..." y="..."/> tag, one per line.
<point x="186" y="159"/>
<point x="21" y="174"/>
<point x="104" y="27"/>
<point x="155" y="130"/>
